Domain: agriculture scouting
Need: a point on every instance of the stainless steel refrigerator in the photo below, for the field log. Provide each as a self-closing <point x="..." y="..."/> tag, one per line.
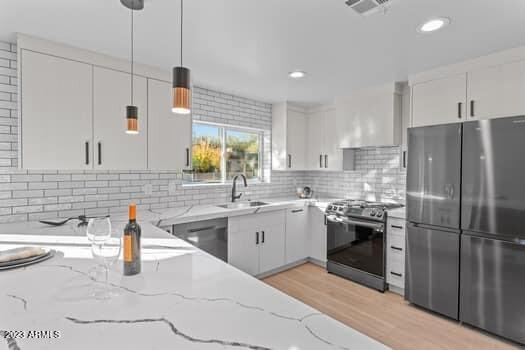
<point x="466" y="232"/>
<point x="433" y="212"/>
<point x="492" y="287"/>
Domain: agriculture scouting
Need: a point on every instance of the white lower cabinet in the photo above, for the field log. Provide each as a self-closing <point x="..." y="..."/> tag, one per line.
<point x="395" y="254"/>
<point x="317" y="226"/>
<point x="256" y="243"/>
<point x="297" y="237"/>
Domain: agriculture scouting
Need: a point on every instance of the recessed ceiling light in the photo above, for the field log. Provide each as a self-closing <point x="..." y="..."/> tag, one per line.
<point x="433" y="24"/>
<point x="296" y="74"/>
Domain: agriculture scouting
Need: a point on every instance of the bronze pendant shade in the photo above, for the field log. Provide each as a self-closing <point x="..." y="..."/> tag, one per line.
<point x="181" y="90"/>
<point x="132" y="115"/>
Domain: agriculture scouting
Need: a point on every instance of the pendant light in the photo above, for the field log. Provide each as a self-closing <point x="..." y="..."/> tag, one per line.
<point x="181" y="79"/>
<point x="132" y="111"/>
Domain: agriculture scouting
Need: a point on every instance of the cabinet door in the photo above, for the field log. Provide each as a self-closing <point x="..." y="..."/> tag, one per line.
<point x="243" y="250"/>
<point x="296" y="140"/>
<point x="114" y="149"/>
<point x="56" y="115"/>
<point x="271" y="253"/>
<point x="497" y="91"/>
<point x="279" y="126"/>
<point x="169" y="135"/>
<point x="315" y="140"/>
<point x="333" y="155"/>
<point x="439" y="101"/>
<point x="297" y="238"/>
<point x="317" y="234"/>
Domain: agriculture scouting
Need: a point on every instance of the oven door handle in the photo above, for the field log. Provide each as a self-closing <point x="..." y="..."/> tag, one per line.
<point x="378" y="227"/>
<point x="373" y="225"/>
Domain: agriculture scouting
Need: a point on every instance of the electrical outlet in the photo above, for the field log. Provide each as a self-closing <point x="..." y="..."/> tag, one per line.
<point x="148" y="189"/>
<point x="172" y="188"/>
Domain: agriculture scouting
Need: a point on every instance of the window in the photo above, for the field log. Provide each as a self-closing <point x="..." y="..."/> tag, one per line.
<point x="220" y="152"/>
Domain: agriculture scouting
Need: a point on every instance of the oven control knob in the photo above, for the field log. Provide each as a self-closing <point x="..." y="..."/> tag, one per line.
<point x="373" y="213"/>
<point x="379" y="214"/>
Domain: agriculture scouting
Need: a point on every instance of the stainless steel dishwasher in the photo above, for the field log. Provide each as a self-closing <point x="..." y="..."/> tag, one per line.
<point x="209" y="235"/>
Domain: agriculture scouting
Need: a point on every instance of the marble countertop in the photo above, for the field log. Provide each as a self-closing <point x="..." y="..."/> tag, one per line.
<point x="183" y="299"/>
<point x="180" y="215"/>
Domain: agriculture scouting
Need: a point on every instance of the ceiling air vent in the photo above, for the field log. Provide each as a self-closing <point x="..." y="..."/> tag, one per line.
<point x="368" y="7"/>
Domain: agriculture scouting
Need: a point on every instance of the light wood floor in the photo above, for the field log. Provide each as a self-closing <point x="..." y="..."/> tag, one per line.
<point x="386" y="317"/>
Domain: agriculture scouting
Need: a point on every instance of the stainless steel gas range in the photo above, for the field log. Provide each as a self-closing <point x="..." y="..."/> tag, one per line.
<point x="356" y="241"/>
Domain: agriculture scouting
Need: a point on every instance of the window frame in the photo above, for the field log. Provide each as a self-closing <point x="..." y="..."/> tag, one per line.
<point x="223" y="130"/>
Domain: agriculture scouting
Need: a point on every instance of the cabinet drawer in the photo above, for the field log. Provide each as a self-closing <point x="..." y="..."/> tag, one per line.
<point x="396" y="226"/>
<point x="396" y="245"/>
<point x="395" y="273"/>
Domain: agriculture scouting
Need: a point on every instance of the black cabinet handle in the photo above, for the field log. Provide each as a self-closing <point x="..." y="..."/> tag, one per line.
<point x="99" y="146"/>
<point x="460" y="110"/>
<point x="472" y="108"/>
<point x="396" y="248"/>
<point x="325" y="221"/>
<point x="297" y="210"/>
<point x="320" y="161"/>
<point x="87" y="152"/>
<point x="404" y="159"/>
<point x="187" y="157"/>
<point x="289" y="161"/>
<point x="326" y="160"/>
<point x="262" y="237"/>
<point x="396" y="226"/>
<point x="256" y="237"/>
<point x="396" y="274"/>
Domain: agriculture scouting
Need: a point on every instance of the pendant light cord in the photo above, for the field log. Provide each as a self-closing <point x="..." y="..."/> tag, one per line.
<point x="132" y="30"/>
<point x="181" y="28"/>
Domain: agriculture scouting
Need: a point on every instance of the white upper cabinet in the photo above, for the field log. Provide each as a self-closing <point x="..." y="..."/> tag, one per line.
<point x="333" y="154"/>
<point x="296" y="130"/>
<point x="315" y="144"/>
<point x="114" y="149"/>
<point x="169" y="134"/>
<point x="56" y="113"/>
<point x="288" y="137"/>
<point x="439" y="101"/>
<point x="323" y="152"/>
<point x="369" y="118"/>
<point x="73" y="112"/>
<point x="486" y="87"/>
<point x="496" y="91"/>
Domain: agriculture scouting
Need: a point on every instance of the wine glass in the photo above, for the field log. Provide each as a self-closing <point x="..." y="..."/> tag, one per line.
<point x="107" y="252"/>
<point x="104" y="248"/>
<point x="98" y="229"/>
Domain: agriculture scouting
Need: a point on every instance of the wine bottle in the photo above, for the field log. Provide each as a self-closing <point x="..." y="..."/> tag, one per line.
<point x="132" y="262"/>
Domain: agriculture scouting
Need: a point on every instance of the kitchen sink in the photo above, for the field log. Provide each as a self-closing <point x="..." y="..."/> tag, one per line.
<point x="240" y="205"/>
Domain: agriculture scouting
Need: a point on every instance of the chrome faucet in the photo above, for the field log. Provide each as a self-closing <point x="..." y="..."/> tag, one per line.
<point x="236" y="196"/>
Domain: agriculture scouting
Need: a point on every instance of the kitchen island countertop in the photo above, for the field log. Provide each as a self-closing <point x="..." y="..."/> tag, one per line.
<point x="183" y="299"/>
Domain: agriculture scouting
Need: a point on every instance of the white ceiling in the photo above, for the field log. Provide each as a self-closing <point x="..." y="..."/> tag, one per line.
<point x="247" y="47"/>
